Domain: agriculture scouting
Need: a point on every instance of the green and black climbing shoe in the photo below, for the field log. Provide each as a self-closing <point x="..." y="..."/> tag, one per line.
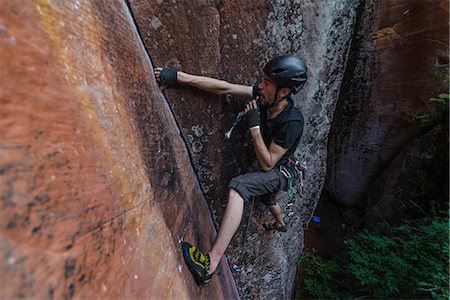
<point x="197" y="262"/>
<point x="273" y="226"/>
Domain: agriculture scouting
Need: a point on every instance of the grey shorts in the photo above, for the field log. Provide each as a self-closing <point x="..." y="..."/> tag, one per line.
<point x="259" y="184"/>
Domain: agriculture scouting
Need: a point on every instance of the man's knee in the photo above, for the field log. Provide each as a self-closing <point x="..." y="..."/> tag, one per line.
<point x="238" y="186"/>
<point x="234" y="195"/>
<point x="232" y="192"/>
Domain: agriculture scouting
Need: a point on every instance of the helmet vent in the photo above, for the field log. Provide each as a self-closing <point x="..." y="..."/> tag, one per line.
<point x="278" y="70"/>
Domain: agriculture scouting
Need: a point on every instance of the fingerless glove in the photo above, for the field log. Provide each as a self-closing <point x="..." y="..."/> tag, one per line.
<point x="253" y="118"/>
<point x="168" y="77"/>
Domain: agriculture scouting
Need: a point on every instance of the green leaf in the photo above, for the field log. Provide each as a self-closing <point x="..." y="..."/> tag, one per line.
<point x="444" y="96"/>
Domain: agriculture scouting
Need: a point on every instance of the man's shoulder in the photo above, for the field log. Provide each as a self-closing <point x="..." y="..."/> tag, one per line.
<point x="294" y="114"/>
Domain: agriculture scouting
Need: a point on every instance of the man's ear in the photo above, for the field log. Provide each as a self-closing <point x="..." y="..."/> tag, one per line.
<point x="284" y="92"/>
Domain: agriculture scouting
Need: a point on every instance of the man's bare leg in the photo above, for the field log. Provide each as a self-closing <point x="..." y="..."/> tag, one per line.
<point x="230" y="223"/>
<point x="276" y="212"/>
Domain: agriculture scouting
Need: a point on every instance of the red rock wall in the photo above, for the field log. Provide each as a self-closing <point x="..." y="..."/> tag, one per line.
<point x="398" y="64"/>
<point x="96" y="187"/>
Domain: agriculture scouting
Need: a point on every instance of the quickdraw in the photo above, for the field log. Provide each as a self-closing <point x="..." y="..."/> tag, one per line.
<point x="237" y="119"/>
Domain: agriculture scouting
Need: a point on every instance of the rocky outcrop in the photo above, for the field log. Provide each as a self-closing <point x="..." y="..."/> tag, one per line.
<point x="232" y="40"/>
<point x="399" y="61"/>
<point x="97" y="188"/>
<point x="96" y="185"/>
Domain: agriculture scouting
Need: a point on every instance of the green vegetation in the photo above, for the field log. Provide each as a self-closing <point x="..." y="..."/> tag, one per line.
<point x="442" y="98"/>
<point x="441" y="110"/>
<point x="405" y="261"/>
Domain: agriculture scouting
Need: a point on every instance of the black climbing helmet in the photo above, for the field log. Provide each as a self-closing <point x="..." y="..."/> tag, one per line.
<point x="287" y="71"/>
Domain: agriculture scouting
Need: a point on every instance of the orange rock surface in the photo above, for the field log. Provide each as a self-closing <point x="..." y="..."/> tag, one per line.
<point x="96" y="187"/>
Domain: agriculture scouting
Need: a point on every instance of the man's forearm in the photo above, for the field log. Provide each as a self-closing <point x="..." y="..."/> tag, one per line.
<point x="204" y="83"/>
<point x="214" y="85"/>
<point x="261" y="151"/>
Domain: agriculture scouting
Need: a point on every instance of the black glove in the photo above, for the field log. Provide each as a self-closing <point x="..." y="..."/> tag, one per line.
<point x="253" y="117"/>
<point x="168" y="77"/>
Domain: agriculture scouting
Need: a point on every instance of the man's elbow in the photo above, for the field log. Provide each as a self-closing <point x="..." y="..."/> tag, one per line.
<point x="223" y="87"/>
<point x="267" y="167"/>
<point x="222" y="92"/>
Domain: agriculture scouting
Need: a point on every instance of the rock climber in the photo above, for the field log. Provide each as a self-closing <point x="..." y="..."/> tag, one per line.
<point x="276" y="126"/>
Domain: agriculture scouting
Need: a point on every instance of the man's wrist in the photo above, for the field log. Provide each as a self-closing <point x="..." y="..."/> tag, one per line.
<point x="255" y="130"/>
<point x="182" y="78"/>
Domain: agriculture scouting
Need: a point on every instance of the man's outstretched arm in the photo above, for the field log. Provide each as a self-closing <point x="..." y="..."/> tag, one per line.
<point x="211" y="84"/>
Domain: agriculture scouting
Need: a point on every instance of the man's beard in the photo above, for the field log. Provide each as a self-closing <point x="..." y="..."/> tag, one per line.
<point x="265" y="103"/>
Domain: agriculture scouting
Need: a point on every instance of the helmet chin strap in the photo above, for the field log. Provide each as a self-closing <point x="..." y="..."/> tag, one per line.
<point x="275" y="101"/>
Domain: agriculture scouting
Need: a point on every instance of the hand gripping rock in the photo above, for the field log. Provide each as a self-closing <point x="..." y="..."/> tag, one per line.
<point x="168" y="77"/>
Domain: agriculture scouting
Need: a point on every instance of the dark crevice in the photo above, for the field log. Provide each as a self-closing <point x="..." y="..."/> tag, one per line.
<point x="191" y="161"/>
<point x="341" y="112"/>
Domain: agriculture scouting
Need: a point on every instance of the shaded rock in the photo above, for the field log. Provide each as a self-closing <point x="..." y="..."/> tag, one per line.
<point x="353" y="217"/>
<point x="414" y="184"/>
<point x="392" y="73"/>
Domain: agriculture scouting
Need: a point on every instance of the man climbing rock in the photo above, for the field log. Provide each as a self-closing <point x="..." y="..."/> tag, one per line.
<point x="276" y="126"/>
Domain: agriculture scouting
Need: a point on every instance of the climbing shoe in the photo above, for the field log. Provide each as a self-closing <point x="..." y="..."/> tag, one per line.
<point x="273" y="226"/>
<point x="197" y="262"/>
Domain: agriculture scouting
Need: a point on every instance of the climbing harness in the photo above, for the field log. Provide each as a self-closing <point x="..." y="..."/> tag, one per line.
<point x="294" y="173"/>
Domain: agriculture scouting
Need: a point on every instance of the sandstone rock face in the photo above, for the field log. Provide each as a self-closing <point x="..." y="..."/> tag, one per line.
<point x="96" y="186"/>
<point x="399" y="61"/>
<point x="232" y="40"/>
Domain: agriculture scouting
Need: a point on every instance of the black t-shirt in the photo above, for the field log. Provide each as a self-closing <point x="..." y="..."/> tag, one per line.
<point x="285" y="129"/>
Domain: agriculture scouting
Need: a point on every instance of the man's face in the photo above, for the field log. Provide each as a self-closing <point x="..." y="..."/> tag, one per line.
<point x="267" y="89"/>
